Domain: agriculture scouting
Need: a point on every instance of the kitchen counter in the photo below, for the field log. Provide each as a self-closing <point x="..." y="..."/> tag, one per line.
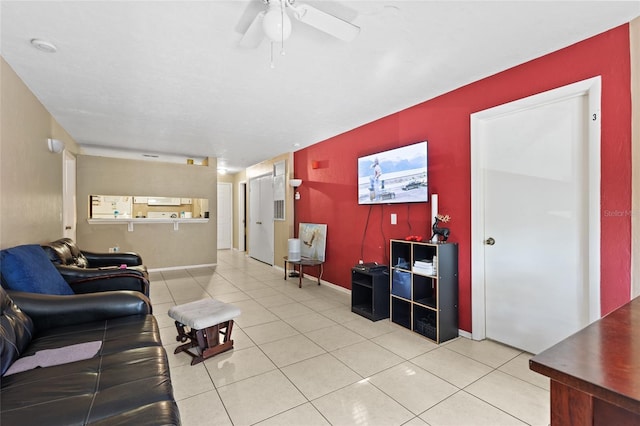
<point x="146" y="221"/>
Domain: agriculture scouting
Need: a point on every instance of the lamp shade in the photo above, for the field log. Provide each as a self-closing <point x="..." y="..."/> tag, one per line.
<point x="294" y="249"/>
<point x="276" y="23"/>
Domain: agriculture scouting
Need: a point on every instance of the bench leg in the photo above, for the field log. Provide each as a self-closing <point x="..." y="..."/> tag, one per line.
<point x="213" y="345"/>
<point x="206" y="340"/>
<point x="183" y="336"/>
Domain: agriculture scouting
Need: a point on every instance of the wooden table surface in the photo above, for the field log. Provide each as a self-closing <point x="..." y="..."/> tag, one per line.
<point x="301" y="263"/>
<point x="602" y="361"/>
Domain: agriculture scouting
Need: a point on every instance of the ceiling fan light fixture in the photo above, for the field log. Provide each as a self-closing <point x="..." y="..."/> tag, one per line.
<point x="276" y="23"/>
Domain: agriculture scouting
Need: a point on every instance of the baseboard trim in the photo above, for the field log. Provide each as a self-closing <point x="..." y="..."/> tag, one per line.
<point x="173" y="268"/>
<point x="334" y="286"/>
<point x="466" y="334"/>
<point x="323" y="282"/>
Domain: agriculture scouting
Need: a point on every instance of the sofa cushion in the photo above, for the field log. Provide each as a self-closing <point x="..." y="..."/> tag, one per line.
<point x="117" y="335"/>
<point x="126" y="383"/>
<point x="129" y="387"/>
<point x="28" y="268"/>
<point x="16" y="330"/>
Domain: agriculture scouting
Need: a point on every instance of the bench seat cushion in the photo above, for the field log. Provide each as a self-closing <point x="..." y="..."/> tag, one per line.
<point x="203" y="313"/>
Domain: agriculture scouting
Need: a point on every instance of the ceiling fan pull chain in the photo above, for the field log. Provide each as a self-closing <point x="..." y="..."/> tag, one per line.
<point x="282" y="12"/>
<point x="272" y="64"/>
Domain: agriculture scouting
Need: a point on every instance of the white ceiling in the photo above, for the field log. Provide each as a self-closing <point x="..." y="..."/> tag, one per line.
<point x="167" y="77"/>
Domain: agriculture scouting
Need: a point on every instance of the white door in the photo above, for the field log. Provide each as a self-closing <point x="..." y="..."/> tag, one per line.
<point x="68" y="195"/>
<point x="225" y="215"/>
<point x="261" y="232"/>
<point x="534" y="166"/>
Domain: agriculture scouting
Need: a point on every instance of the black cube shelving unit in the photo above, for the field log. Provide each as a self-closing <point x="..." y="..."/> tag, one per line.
<point x="424" y="288"/>
<point x="370" y="293"/>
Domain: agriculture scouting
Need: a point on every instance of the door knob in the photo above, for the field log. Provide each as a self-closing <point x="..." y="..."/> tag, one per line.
<point x="489" y="241"/>
<point x="258" y="223"/>
<point x="67" y="228"/>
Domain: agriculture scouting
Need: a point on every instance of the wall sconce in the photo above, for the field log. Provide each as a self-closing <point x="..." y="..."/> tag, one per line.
<point x="295" y="183"/>
<point x="55" y="145"/>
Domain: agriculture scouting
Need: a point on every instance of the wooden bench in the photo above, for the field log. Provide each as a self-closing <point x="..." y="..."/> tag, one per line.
<point x="207" y="319"/>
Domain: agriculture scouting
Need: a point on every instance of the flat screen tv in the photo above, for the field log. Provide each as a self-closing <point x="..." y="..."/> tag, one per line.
<point x="398" y="175"/>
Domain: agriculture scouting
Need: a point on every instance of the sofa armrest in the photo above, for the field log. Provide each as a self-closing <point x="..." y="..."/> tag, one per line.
<point x="49" y="311"/>
<point x="90" y="280"/>
<point x="74" y="273"/>
<point x="106" y="259"/>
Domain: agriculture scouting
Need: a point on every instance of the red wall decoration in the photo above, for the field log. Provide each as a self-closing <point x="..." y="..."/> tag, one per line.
<point x="329" y="193"/>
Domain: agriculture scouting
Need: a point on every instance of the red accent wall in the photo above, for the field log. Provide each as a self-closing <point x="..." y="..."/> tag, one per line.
<point x="329" y="192"/>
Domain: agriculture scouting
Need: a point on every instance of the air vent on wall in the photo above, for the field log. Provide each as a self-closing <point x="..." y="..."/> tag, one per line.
<point x="279" y="190"/>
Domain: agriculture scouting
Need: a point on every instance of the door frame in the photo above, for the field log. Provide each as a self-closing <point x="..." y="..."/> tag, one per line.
<point x="229" y="186"/>
<point x="69" y="204"/>
<point x="590" y="88"/>
<point x="242" y="215"/>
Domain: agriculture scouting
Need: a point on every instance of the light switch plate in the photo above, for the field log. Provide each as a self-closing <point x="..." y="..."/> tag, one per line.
<point x="394" y="219"/>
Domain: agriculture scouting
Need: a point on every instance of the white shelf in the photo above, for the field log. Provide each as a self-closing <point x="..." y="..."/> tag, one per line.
<point x="145" y="221"/>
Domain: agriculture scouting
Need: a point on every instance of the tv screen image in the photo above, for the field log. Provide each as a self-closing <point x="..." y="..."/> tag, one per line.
<point x="398" y="175"/>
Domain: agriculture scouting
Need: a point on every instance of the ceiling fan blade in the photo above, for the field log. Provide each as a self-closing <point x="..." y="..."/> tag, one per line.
<point x="254" y="34"/>
<point x="325" y="22"/>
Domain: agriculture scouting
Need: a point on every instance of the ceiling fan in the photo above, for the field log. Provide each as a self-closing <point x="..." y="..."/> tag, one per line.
<point x="275" y="25"/>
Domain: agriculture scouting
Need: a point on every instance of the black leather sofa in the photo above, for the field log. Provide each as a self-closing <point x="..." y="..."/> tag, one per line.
<point x="127" y="382"/>
<point x="88" y="272"/>
<point x="65" y="251"/>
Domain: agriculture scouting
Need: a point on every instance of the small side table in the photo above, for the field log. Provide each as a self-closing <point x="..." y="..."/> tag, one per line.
<point x="302" y="263"/>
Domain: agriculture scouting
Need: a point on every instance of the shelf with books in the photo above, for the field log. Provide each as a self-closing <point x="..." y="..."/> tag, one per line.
<point x="424" y="288"/>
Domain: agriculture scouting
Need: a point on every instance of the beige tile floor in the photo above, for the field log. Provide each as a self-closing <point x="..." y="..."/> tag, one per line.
<point x="302" y="358"/>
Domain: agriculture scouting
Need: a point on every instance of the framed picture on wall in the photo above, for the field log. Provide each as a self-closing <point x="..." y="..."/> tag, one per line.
<point x="313" y="240"/>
